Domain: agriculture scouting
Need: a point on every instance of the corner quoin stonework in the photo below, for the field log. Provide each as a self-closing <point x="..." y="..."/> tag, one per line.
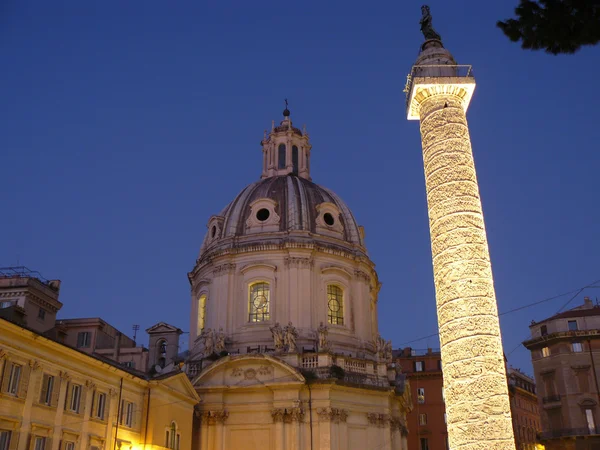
<point x="476" y="392"/>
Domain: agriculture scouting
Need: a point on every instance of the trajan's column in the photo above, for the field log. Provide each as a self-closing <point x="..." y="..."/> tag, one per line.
<point x="477" y="403"/>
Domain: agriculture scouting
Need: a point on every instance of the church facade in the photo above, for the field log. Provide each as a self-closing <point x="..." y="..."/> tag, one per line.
<point x="285" y="351"/>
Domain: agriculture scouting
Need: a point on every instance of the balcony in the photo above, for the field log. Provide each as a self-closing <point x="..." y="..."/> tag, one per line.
<point x="567" y="432"/>
<point x="551" y="399"/>
<point x="540" y="341"/>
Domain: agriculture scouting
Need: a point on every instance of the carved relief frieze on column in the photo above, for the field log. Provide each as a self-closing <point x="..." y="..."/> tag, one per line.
<point x="301" y="263"/>
<point x="334" y="415"/>
<point x="380" y="420"/>
<point x="65" y="376"/>
<point x="296" y="414"/>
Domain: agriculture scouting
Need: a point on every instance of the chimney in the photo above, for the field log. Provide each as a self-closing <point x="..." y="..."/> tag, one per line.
<point x="587" y="303"/>
<point x="117" y="347"/>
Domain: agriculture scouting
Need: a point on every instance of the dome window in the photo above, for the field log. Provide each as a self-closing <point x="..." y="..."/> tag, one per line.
<point x="328" y="219"/>
<point x="295" y="160"/>
<point x="260" y="302"/>
<point x="281" y="156"/>
<point x="263" y="214"/>
<point x="213" y="232"/>
<point x="201" y="313"/>
<point x="335" y="305"/>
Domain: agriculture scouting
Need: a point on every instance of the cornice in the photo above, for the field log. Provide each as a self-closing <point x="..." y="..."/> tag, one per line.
<point x="541" y="341"/>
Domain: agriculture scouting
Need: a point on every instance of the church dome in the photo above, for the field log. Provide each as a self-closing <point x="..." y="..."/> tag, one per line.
<point x="288" y="203"/>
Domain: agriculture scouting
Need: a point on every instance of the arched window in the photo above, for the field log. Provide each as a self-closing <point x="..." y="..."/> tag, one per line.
<point x="172" y="437"/>
<point x="335" y="305"/>
<point x="295" y="160"/>
<point x="281" y="156"/>
<point x="201" y="313"/>
<point x="260" y="302"/>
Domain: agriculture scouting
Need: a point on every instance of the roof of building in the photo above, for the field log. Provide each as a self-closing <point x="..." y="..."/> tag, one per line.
<point x="296" y="202"/>
<point x="586" y="310"/>
<point x="95" y="356"/>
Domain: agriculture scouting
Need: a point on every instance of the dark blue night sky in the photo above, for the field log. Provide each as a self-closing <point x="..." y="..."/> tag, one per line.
<point x="125" y="125"/>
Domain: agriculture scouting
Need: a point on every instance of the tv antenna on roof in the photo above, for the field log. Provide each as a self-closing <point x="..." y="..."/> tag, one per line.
<point x="135" y="330"/>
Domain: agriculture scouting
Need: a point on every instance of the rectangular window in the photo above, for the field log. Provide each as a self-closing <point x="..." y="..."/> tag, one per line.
<point x="14" y="379"/>
<point x="47" y="388"/>
<point x="40" y="443"/>
<point x="421" y="395"/>
<point x="577" y="347"/>
<point x="4" y="439"/>
<point x="422" y="419"/>
<point x="589" y="417"/>
<point x="545" y="352"/>
<point x="5" y="304"/>
<point x="177" y="443"/>
<point x="335" y="305"/>
<point x="75" y="397"/>
<point x="69" y="445"/>
<point x="424" y="444"/>
<point x="419" y="366"/>
<point x="544" y="330"/>
<point x="167" y="439"/>
<point x="259" y="310"/>
<point x="100" y="405"/>
<point x="83" y="339"/>
<point x="41" y="313"/>
<point x="126" y="413"/>
<point x="572" y="325"/>
<point x="445" y="418"/>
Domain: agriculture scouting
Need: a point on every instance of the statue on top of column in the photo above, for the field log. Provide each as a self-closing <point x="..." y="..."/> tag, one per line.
<point x="426" y="27"/>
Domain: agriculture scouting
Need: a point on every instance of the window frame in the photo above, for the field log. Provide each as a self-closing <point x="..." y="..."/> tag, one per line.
<point x="545" y="352"/>
<point x="48" y="384"/>
<point x="127" y="410"/>
<point x="87" y="335"/>
<point x="39" y="443"/>
<point x="336" y="318"/>
<point x="281" y="162"/>
<point x="100" y="407"/>
<point x="41" y="314"/>
<point x="419" y="366"/>
<point x="576" y="347"/>
<point x="266" y="317"/>
<point x="421" y="395"/>
<point x="5" y="443"/>
<point x="569" y="322"/>
<point x="295" y="159"/>
<point x="202" y="300"/>
<point x="68" y="445"/>
<point x="75" y="400"/>
<point x="14" y="381"/>
<point x="422" y="419"/>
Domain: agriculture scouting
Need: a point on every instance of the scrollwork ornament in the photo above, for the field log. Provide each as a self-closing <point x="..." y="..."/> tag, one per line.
<point x="35" y="365"/>
<point x="277" y="414"/>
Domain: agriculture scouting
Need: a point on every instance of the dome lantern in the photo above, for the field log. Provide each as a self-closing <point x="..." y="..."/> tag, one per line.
<point x="286" y="150"/>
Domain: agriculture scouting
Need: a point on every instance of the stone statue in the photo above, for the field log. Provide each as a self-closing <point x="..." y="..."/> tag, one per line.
<point x="209" y="342"/>
<point x="278" y="337"/>
<point x="426" y="27"/>
<point x="379" y="344"/>
<point x="387" y="351"/>
<point x="290" y="338"/>
<point x="220" y="341"/>
<point x="322" y="332"/>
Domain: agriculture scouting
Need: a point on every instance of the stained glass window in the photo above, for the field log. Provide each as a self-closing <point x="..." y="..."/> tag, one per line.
<point x="335" y="305"/>
<point x="260" y="302"/>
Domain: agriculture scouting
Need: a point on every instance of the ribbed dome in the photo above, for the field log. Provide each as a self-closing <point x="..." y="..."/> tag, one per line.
<point x="296" y="200"/>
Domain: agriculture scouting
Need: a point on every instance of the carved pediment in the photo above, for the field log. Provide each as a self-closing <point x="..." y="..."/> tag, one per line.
<point x="162" y="327"/>
<point x="241" y="371"/>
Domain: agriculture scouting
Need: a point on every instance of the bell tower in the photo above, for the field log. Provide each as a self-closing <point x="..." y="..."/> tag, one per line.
<point x="477" y="403"/>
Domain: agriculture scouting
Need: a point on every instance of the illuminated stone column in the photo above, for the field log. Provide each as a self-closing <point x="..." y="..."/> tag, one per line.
<point x="477" y="402"/>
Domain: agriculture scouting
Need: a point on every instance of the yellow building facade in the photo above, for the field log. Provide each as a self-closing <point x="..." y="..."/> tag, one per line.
<point x="54" y="397"/>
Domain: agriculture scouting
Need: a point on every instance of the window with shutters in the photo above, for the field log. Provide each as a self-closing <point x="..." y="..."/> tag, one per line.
<point x="47" y="389"/>
<point x="75" y="398"/>
<point x="14" y="379"/>
<point x="5" y="439"/>
<point x="422" y="419"/>
<point x="421" y="395"/>
<point x="40" y="443"/>
<point x="127" y="409"/>
<point x="583" y="379"/>
<point x="100" y="405"/>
